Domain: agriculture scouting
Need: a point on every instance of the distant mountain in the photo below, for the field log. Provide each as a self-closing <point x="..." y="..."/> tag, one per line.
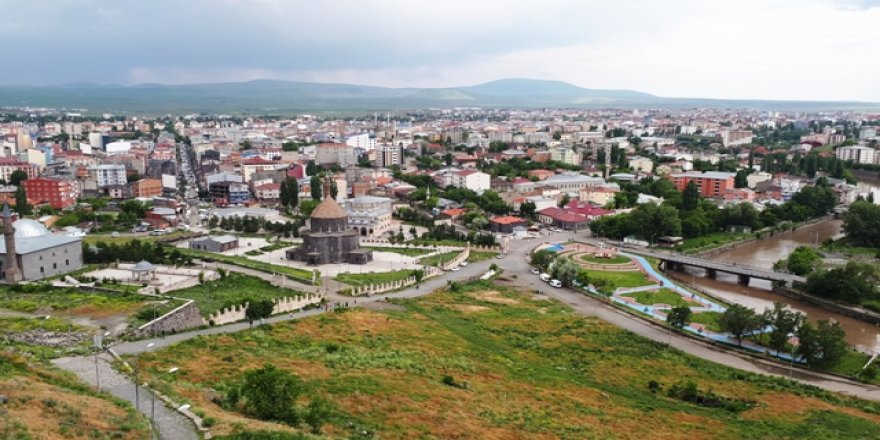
<point x="286" y="97"/>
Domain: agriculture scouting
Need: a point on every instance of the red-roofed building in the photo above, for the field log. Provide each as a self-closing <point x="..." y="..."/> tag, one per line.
<point x="268" y="191"/>
<point x="561" y="218"/>
<point x="588" y="210"/>
<point x="506" y="224"/>
<point x="251" y="166"/>
<point x="453" y="213"/>
<point x="541" y="174"/>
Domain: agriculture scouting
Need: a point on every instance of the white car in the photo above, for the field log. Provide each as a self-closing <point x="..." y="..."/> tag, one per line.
<point x="556" y="283"/>
<point x="463" y="263"/>
<point x="535" y="271"/>
<point x="544" y="277"/>
<point x="455" y="269"/>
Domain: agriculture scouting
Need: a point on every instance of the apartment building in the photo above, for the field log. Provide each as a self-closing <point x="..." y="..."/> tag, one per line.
<point x="145" y="188"/>
<point x="58" y="192"/>
<point x="857" y="154"/>
<point x="710" y="184"/>
<point x="110" y="175"/>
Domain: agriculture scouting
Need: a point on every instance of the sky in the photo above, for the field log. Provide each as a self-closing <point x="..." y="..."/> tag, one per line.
<point x="742" y="49"/>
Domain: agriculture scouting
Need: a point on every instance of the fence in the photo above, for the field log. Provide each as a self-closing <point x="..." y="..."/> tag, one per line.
<point x="460" y="258"/>
<point x="373" y="289"/>
<point x="282" y="305"/>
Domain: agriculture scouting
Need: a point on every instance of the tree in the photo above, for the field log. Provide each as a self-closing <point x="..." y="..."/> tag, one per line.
<point x="21" y="202"/>
<point x="312" y="168"/>
<point x="542" y="259"/>
<point x="259" y="309"/>
<point x="583" y="278"/>
<point x="690" y="198"/>
<point x="527" y="209"/>
<point x="739" y="321"/>
<point x="741" y="179"/>
<point x="317" y="413"/>
<point x="333" y="189"/>
<point x="565" y="270"/>
<point x="803" y="260"/>
<point x="679" y="317"/>
<point x="821" y="346"/>
<point x="852" y="283"/>
<point x="315" y="186"/>
<point x="17" y="177"/>
<point x="862" y="223"/>
<point x="565" y="199"/>
<point x="289" y="195"/>
<point x="651" y="221"/>
<point x="784" y="322"/>
<point x="271" y="394"/>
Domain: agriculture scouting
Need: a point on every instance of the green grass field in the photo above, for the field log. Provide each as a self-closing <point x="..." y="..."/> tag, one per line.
<point x="70" y="301"/>
<point x="708" y="319"/>
<point x="475" y="256"/>
<point x="408" y="251"/>
<point x="621" y="279"/>
<point x="661" y="296"/>
<point x="501" y="364"/>
<point x="712" y="240"/>
<point x="300" y="275"/>
<point x="439" y="259"/>
<point x="233" y="290"/>
<point x="359" y="279"/>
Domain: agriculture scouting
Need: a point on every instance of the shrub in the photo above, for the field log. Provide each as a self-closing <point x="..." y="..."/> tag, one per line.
<point x="271" y="394"/>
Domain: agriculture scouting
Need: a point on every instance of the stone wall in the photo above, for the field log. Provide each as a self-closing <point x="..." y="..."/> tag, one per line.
<point x="184" y="317"/>
<point x="228" y="315"/>
<point x="374" y="289"/>
<point x="460" y="258"/>
<point x="282" y="305"/>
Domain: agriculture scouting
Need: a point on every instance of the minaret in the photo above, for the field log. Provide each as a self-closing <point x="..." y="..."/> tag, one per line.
<point x="12" y="273"/>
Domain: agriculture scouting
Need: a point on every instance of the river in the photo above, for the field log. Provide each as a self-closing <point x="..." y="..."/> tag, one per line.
<point x="757" y="295"/>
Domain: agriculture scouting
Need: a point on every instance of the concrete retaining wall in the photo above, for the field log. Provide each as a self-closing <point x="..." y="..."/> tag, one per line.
<point x="184" y="317"/>
<point x="460" y="258"/>
<point x="843" y="309"/>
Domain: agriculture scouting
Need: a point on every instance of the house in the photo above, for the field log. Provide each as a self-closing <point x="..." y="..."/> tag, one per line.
<point x="563" y="219"/>
<point x="268" y="191"/>
<point x="214" y="243"/>
<point x="598" y="195"/>
<point x="588" y="210"/>
<point x="505" y="225"/>
<point x="473" y="180"/>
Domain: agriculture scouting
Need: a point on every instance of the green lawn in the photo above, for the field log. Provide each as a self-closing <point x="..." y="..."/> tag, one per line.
<point x="475" y="256"/>
<point x="506" y="365"/>
<point x="408" y="251"/>
<point x="708" y="319"/>
<point x="617" y="259"/>
<point x="121" y="239"/>
<point x="358" y="279"/>
<point x="620" y="279"/>
<point x="661" y="296"/>
<point x="300" y="275"/>
<point x="70" y="301"/>
<point x="439" y="259"/>
<point x="233" y="290"/>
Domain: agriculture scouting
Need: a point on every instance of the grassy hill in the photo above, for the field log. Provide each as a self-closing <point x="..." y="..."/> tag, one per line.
<point x="490" y="362"/>
<point x="44" y="403"/>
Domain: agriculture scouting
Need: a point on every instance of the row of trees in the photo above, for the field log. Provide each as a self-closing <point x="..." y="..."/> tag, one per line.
<point x="253" y="225"/>
<point x="449" y="232"/>
<point x="854" y="283"/>
<point x="687" y="214"/>
<point x="134" y="250"/>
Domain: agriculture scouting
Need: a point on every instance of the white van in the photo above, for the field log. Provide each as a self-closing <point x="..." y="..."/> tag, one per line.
<point x="544" y="277"/>
<point x="556" y="283"/>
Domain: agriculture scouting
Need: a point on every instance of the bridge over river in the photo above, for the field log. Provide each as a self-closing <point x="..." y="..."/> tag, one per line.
<point x="673" y="261"/>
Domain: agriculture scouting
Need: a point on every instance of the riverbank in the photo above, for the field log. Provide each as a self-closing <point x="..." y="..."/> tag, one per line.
<point x="758" y="236"/>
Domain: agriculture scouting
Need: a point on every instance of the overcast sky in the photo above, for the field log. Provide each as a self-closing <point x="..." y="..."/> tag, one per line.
<point x="770" y="49"/>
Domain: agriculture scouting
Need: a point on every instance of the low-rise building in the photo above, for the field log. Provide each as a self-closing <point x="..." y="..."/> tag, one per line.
<point x="214" y="243"/>
<point x="145" y="188"/>
<point x="370" y="216"/>
<point x="599" y="195"/>
<point x="505" y="225"/>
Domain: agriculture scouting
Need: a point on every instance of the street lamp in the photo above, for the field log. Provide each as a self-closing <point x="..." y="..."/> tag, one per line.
<point x="153" y="399"/>
<point x="137" y="390"/>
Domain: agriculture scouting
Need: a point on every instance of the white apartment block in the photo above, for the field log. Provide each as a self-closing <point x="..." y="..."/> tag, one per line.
<point x="363" y="140"/>
<point x="731" y="138"/>
<point x="565" y="155"/>
<point x="856" y="153"/>
<point x="473" y="180"/>
<point x="110" y="175"/>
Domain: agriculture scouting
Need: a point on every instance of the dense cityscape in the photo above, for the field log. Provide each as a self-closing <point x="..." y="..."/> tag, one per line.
<point x="271" y="220"/>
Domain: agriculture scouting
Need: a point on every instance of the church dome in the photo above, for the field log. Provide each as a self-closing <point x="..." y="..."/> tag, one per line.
<point x="27" y="228"/>
<point x="329" y="209"/>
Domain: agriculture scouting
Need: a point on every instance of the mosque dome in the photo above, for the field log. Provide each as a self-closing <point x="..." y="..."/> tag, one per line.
<point x="27" y="228"/>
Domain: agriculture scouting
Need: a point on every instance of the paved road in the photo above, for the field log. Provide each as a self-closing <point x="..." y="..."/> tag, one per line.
<point x="515" y="263"/>
<point x="170" y="424"/>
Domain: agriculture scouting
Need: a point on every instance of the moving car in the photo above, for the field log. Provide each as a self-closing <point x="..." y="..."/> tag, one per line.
<point x="463" y="263"/>
<point x="544" y="277"/>
<point x="456" y="268"/>
<point x="535" y="271"/>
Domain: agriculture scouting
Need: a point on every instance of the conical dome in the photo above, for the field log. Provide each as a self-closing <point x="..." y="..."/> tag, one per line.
<point x="328" y="209"/>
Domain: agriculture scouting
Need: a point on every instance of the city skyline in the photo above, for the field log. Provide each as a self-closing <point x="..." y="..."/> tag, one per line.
<point x="809" y="50"/>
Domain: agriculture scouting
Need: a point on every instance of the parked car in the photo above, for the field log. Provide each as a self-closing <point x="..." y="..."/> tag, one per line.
<point x="556" y="283"/>
<point x="535" y="271"/>
<point x="544" y="277"/>
<point x="455" y="269"/>
<point x="463" y="263"/>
